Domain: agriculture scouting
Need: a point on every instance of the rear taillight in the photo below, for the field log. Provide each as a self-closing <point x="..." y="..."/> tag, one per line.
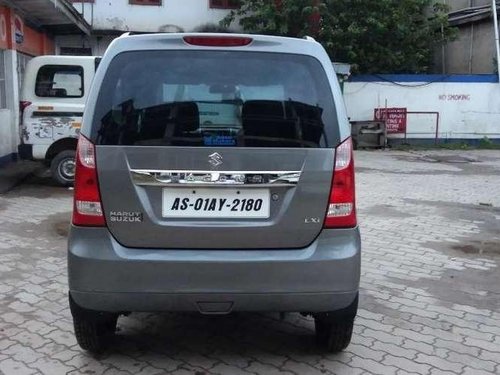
<point x="23" y="104"/>
<point x="218" y="41"/>
<point x="342" y="204"/>
<point x="87" y="208"/>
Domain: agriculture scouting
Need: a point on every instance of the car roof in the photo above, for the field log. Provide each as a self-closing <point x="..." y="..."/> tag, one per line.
<point x="255" y="37"/>
<point x="63" y="58"/>
<point x="168" y="41"/>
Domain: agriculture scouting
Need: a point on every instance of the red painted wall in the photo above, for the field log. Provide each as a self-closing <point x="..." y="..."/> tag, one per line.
<point x="15" y="34"/>
<point x="5" y="29"/>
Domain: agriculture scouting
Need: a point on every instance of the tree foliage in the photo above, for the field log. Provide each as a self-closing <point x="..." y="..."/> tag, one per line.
<point x="376" y="36"/>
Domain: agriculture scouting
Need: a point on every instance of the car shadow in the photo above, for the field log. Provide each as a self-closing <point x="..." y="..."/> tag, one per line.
<point x="233" y="335"/>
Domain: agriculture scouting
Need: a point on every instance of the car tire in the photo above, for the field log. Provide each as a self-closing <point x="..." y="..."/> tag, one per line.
<point x="334" y="328"/>
<point x="93" y="334"/>
<point x="93" y="329"/>
<point x="333" y="336"/>
<point x="63" y="168"/>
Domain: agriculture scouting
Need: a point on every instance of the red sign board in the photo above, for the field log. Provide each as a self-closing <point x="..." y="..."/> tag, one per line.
<point x="395" y="119"/>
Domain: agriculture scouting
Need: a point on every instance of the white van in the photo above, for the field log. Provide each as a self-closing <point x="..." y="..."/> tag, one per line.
<point x="53" y="96"/>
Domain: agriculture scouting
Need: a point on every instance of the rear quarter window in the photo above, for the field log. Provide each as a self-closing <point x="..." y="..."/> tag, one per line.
<point x="59" y="81"/>
<point x="213" y="98"/>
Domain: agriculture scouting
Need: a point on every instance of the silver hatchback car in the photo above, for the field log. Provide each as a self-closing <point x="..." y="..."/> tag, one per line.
<point x="214" y="174"/>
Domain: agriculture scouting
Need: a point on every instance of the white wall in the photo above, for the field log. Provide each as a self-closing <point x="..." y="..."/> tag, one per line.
<point x="467" y="110"/>
<point x="170" y="16"/>
<point x="98" y="44"/>
<point x="9" y="118"/>
<point x="5" y="132"/>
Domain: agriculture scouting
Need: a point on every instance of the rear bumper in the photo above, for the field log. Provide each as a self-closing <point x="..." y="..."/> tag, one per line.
<point x="105" y="276"/>
<point x="214" y="303"/>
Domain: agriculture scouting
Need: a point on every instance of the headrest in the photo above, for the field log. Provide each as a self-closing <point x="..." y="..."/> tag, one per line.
<point x="186" y="115"/>
<point x="263" y="108"/>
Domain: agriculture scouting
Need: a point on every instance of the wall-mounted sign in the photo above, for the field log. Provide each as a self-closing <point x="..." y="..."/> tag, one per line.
<point x="18" y="29"/>
<point x="395" y="119"/>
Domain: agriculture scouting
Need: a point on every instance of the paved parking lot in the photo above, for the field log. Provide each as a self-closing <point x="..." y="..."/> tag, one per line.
<point x="430" y="299"/>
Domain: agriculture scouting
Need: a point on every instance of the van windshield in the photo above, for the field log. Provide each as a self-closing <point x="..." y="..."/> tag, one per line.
<point x="212" y="98"/>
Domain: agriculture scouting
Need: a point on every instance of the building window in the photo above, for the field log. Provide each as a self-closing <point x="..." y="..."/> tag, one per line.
<point x="145" y="2"/>
<point x="59" y="81"/>
<point x="75" y="51"/>
<point x="225" y="4"/>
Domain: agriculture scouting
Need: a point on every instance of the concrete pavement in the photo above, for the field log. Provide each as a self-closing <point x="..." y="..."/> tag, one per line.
<point x="430" y="298"/>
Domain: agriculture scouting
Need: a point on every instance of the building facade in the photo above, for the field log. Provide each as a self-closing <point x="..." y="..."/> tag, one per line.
<point x="109" y="19"/>
<point x="27" y="29"/>
<point x="18" y="43"/>
<point x="473" y="51"/>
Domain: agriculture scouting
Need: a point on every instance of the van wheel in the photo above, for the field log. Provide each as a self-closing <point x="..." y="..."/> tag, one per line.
<point x="333" y="336"/>
<point x="63" y="168"/>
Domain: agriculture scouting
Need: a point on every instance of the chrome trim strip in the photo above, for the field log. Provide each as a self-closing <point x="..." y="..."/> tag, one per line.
<point x="151" y="177"/>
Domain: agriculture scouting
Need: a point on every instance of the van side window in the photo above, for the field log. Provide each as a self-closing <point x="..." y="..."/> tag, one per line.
<point x="59" y="81"/>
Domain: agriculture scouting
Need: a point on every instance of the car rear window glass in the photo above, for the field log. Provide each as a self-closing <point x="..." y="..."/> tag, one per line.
<point x="59" y="81"/>
<point x="213" y="98"/>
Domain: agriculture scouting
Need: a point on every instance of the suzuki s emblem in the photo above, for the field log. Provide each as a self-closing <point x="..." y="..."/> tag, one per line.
<point x="215" y="159"/>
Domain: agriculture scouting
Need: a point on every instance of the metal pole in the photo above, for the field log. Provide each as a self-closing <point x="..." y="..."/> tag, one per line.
<point x="471" y="49"/>
<point x="443" y="48"/>
<point x="497" y="37"/>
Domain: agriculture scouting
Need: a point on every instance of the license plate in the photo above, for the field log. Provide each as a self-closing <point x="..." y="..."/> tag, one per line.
<point x="215" y="203"/>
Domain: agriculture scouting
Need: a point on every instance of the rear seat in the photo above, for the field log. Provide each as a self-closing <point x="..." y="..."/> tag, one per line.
<point x="171" y="123"/>
<point x="265" y="124"/>
<point x="310" y="119"/>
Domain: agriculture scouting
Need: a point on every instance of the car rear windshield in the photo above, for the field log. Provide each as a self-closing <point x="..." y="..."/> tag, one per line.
<point x="213" y="98"/>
